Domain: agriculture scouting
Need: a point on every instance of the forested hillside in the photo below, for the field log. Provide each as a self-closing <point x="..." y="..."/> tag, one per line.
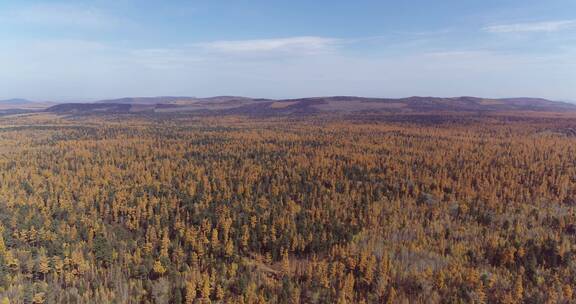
<point x="135" y="209"/>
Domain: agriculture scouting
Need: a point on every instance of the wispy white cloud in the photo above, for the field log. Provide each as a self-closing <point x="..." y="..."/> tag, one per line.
<point x="295" y="45"/>
<point x="59" y="15"/>
<point x="57" y="67"/>
<point x="547" y="26"/>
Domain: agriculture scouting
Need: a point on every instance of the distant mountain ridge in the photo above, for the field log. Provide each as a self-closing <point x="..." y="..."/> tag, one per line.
<point x="17" y="105"/>
<point x="170" y="99"/>
<point x="16" y="101"/>
<point x="227" y="105"/>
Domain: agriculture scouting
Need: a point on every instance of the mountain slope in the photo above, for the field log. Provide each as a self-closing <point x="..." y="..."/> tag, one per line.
<point x="223" y="105"/>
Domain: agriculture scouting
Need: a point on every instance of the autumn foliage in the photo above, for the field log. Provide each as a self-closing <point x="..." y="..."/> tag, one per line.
<point x="317" y="210"/>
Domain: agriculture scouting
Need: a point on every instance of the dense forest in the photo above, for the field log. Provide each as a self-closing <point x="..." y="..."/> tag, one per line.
<point x="135" y="209"/>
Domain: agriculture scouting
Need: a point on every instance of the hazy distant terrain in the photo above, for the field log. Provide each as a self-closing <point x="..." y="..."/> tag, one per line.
<point x="18" y="105"/>
<point x="226" y="105"/>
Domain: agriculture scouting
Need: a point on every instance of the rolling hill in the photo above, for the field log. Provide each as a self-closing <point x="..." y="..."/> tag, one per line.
<point x="228" y="105"/>
<point x="20" y="104"/>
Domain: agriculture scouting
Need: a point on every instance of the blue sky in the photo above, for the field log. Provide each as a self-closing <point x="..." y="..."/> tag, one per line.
<point x="82" y="50"/>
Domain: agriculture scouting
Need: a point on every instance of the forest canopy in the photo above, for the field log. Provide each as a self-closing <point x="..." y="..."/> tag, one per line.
<point x="135" y="209"/>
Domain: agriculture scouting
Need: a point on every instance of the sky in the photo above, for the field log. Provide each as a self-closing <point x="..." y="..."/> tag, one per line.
<point x="88" y="50"/>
